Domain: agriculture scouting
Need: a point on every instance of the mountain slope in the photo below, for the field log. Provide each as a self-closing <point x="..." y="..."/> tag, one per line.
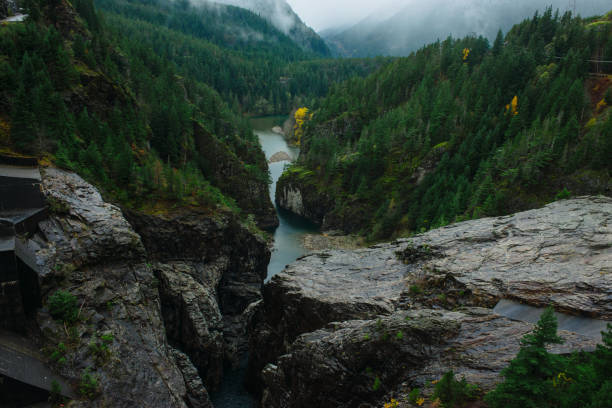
<point x="282" y="16"/>
<point x="254" y="66"/>
<point x="407" y="27"/>
<point x="123" y="118"/>
<point x="461" y="130"/>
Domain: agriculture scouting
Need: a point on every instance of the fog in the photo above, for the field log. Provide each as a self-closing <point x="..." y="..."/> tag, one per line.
<point x="276" y="11"/>
<point x="325" y="14"/>
<point x="403" y="26"/>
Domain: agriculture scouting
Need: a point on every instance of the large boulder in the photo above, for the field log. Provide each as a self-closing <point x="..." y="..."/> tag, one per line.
<point x="560" y="255"/>
<point x="339" y="366"/>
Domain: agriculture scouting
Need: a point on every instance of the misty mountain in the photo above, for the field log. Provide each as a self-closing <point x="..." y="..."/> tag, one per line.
<point x="406" y="25"/>
<point x="282" y="16"/>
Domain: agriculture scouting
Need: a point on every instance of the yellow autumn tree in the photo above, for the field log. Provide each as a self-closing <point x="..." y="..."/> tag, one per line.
<point x="301" y="116"/>
<point x="466" y="53"/>
<point x="513" y="106"/>
<point x="602" y="104"/>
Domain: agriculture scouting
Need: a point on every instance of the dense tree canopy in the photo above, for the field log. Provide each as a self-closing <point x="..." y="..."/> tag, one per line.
<point x="461" y="129"/>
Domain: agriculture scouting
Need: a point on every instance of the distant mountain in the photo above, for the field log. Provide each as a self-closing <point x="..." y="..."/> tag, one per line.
<point x="282" y="16"/>
<point x="407" y="27"/>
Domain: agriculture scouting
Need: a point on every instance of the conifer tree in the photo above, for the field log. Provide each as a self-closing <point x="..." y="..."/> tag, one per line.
<point x="528" y="378"/>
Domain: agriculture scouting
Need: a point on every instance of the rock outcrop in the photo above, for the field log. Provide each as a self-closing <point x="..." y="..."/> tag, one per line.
<point x="342" y="362"/>
<point x="557" y="255"/>
<point x="159" y="315"/>
<point x="209" y="270"/>
<point x="279" y="157"/>
<point x="88" y="248"/>
<point x="295" y="192"/>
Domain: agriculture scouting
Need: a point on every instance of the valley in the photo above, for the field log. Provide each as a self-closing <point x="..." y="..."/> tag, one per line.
<point x="209" y="204"/>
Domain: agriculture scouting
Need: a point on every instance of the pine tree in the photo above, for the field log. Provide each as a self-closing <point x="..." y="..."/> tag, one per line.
<point x="528" y="378"/>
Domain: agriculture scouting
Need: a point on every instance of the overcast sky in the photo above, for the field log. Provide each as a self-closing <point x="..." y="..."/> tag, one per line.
<point x="322" y="14"/>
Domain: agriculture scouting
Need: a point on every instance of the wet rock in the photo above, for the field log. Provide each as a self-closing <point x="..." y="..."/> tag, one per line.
<point x="558" y="255"/>
<point x="211" y="270"/>
<point x="92" y="251"/>
<point x="342" y="362"/>
<point x="91" y="231"/>
<point x="279" y="157"/>
<point x="197" y="396"/>
<point x="193" y="320"/>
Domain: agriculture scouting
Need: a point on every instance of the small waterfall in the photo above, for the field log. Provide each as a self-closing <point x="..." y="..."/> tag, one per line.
<point x="577" y="324"/>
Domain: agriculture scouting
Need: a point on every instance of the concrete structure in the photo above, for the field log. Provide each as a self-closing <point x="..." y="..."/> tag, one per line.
<point x="24" y="376"/>
<point x="22" y="206"/>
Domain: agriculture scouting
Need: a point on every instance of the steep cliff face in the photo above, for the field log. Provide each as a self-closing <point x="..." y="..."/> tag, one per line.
<point x="334" y="317"/>
<point x="88" y="248"/>
<point x="157" y="316"/>
<point x="209" y="269"/>
<point x="300" y="191"/>
<point x="343" y="361"/>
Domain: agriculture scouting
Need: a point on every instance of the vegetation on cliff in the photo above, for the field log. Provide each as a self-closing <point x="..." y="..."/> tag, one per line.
<point x="537" y="378"/>
<point x="462" y="129"/>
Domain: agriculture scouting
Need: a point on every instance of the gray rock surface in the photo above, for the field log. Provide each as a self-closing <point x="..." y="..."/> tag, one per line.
<point x="171" y="303"/>
<point x="197" y="396"/>
<point x="342" y="362"/>
<point x="193" y="320"/>
<point x="223" y="265"/>
<point x="560" y="254"/>
<point x="89" y="249"/>
<point x="279" y="156"/>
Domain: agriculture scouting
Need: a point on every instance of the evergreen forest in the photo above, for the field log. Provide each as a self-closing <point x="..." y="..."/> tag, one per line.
<point x="463" y="129"/>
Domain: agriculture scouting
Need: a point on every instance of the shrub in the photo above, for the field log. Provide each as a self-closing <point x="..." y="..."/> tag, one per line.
<point x="55" y="394"/>
<point x="59" y="354"/>
<point x="527" y="378"/>
<point x="377" y="384"/>
<point x="454" y="393"/>
<point x="414" y="395"/>
<point x="63" y="306"/>
<point x="57" y="206"/>
<point x="88" y="387"/>
<point x="563" y="194"/>
<point x="100" y="349"/>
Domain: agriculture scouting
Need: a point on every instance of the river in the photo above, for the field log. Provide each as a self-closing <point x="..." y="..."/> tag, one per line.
<point x="288" y="246"/>
<point x="288" y="236"/>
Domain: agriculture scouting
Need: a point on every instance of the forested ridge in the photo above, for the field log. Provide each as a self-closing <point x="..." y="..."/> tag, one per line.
<point x="149" y="104"/>
<point x="464" y="129"/>
<point x="122" y="118"/>
<point x="256" y="68"/>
